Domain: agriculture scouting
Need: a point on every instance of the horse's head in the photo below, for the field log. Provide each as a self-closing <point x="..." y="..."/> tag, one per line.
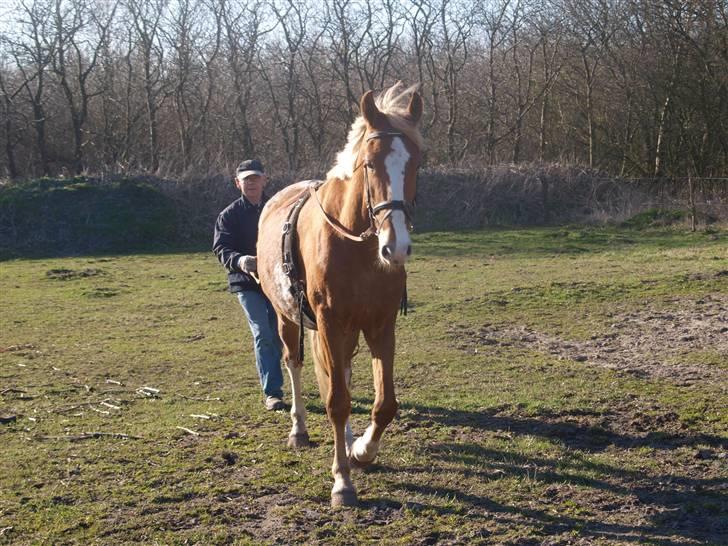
<point x="391" y="158"/>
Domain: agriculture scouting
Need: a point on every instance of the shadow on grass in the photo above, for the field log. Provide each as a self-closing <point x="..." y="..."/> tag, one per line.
<point x="573" y="435"/>
<point x="546" y="523"/>
<point x="677" y="508"/>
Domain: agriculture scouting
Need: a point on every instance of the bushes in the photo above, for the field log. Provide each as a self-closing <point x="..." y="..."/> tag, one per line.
<point x="523" y="195"/>
<point x="82" y="215"/>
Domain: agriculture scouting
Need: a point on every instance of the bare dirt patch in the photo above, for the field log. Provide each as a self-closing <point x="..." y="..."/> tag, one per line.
<point x="648" y="343"/>
<point x="63" y="274"/>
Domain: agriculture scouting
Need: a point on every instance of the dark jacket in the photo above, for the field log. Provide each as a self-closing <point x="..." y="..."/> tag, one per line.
<point x="236" y="234"/>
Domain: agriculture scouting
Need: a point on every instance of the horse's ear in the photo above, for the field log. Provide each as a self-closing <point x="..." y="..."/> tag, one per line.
<point x="369" y="110"/>
<point x="415" y="107"/>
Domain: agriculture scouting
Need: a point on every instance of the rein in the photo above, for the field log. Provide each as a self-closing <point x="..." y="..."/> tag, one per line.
<point x="390" y="206"/>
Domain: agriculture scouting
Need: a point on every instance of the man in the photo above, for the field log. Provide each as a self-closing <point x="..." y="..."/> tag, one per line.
<point x="236" y="235"/>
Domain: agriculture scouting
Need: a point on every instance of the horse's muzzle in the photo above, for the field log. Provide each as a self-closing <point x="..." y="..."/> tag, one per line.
<point x="395" y="245"/>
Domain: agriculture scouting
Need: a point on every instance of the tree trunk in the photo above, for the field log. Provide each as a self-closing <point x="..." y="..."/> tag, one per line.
<point x="691" y="199"/>
<point x="542" y="127"/>
<point x="660" y="137"/>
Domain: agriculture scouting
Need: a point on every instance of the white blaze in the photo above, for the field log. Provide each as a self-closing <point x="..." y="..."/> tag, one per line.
<point x="395" y="164"/>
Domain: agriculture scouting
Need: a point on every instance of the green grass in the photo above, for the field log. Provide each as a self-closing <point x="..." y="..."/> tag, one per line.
<point x="509" y="444"/>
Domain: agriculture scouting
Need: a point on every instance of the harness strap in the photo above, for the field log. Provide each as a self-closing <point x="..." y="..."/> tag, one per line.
<point x="382" y="134"/>
<point x="404" y="206"/>
<point x="301" y="302"/>
<point x="403" y="301"/>
<point x="338" y="227"/>
<point x="289" y="245"/>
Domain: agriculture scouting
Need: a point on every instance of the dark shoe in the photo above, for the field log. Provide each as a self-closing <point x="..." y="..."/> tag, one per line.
<point x="273" y="403"/>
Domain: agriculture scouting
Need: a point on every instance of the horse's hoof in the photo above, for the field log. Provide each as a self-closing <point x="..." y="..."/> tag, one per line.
<point x="346" y="497"/>
<point x="356" y="463"/>
<point x="299" y="440"/>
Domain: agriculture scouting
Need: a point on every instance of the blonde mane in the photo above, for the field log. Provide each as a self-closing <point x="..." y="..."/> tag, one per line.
<point x="393" y="103"/>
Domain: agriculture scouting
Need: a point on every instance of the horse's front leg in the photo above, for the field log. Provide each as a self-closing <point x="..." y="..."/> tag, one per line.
<point x="323" y="381"/>
<point x="289" y="332"/>
<point x="381" y="344"/>
<point x="334" y="351"/>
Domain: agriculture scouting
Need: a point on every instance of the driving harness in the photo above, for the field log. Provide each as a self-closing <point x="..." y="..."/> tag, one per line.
<point x="306" y="316"/>
<point x="290" y="266"/>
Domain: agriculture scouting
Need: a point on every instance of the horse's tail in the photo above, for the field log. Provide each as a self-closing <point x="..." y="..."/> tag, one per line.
<point x="322" y="375"/>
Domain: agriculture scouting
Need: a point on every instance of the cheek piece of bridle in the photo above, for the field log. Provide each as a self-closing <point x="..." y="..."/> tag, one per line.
<point x="390" y="206"/>
<point x="373" y="211"/>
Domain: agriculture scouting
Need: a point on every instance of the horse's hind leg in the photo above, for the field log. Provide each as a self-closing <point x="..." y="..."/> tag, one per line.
<point x="289" y="332"/>
<point x="381" y="344"/>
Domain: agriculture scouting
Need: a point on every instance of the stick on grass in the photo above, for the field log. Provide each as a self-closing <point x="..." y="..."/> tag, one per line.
<point x="91" y="436"/>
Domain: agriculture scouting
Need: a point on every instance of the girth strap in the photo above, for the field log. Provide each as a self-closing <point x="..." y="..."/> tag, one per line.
<point x="292" y="269"/>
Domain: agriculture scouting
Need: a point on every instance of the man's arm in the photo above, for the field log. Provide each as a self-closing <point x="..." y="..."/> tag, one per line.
<point x="223" y="244"/>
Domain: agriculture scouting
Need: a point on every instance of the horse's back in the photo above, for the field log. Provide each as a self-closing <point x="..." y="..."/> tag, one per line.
<point x="275" y="282"/>
<point x="284" y="199"/>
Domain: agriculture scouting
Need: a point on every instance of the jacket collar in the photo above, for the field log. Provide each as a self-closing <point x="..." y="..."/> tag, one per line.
<point x="248" y="205"/>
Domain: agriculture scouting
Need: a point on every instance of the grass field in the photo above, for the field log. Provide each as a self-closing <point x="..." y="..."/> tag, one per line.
<point x="557" y="386"/>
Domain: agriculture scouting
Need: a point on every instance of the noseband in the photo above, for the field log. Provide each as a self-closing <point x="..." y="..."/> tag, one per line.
<point x="391" y="206"/>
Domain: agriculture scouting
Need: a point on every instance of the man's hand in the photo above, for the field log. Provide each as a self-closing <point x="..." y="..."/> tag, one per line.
<point x="249" y="264"/>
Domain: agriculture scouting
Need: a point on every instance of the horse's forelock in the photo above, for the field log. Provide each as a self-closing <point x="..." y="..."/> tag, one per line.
<point x="393" y="103"/>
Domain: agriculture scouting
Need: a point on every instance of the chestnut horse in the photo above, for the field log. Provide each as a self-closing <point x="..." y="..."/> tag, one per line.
<point x="352" y="242"/>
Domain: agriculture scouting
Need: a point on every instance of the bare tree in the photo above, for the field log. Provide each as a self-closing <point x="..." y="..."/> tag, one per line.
<point x="451" y="44"/>
<point x="345" y="31"/>
<point x="316" y="97"/>
<point x="146" y="19"/>
<point x="421" y="18"/>
<point x="592" y="25"/>
<point x="382" y="29"/>
<point x="10" y="89"/>
<point x="635" y="87"/>
<point x="32" y="57"/>
<point x="242" y="33"/>
<point x="495" y="22"/>
<point x="281" y="72"/>
<point x="79" y="32"/>
<point x="194" y="39"/>
<point x="547" y="32"/>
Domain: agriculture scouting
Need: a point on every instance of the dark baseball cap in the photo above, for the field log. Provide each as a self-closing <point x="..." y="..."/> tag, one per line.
<point x="249" y="167"/>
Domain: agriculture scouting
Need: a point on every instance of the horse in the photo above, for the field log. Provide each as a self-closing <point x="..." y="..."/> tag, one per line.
<point x="344" y="274"/>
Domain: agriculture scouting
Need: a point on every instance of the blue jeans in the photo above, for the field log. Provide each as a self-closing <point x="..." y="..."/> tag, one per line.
<point x="264" y="327"/>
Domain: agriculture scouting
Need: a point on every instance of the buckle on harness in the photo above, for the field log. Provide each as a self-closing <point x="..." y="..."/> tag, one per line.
<point x="286" y="268"/>
<point x="286" y="227"/>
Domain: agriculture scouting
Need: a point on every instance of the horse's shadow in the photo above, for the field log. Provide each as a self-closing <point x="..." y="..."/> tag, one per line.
<point x="574" y="435"/>
<point x="695" y="512"/>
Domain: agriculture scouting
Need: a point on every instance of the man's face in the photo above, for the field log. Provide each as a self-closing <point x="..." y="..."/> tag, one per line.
<point x="252" y="186"/>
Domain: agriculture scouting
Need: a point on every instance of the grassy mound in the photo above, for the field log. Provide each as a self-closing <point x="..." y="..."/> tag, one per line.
<point x="655" y="218"/>
<point x="80" y="215"/>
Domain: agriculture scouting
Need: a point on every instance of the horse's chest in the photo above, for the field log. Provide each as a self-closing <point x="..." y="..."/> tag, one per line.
<point x="359" y="293"/>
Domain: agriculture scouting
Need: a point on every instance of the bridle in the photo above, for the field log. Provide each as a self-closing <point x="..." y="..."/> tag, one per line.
<point x="390" y="206"/>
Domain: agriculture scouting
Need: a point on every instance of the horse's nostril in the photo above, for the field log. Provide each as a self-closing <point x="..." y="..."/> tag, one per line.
<point x="386" y="251"/>
<point x="409" y="250"/>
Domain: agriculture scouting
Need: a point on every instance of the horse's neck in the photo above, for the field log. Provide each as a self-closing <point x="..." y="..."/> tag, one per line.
<point x="346" y="201"/>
